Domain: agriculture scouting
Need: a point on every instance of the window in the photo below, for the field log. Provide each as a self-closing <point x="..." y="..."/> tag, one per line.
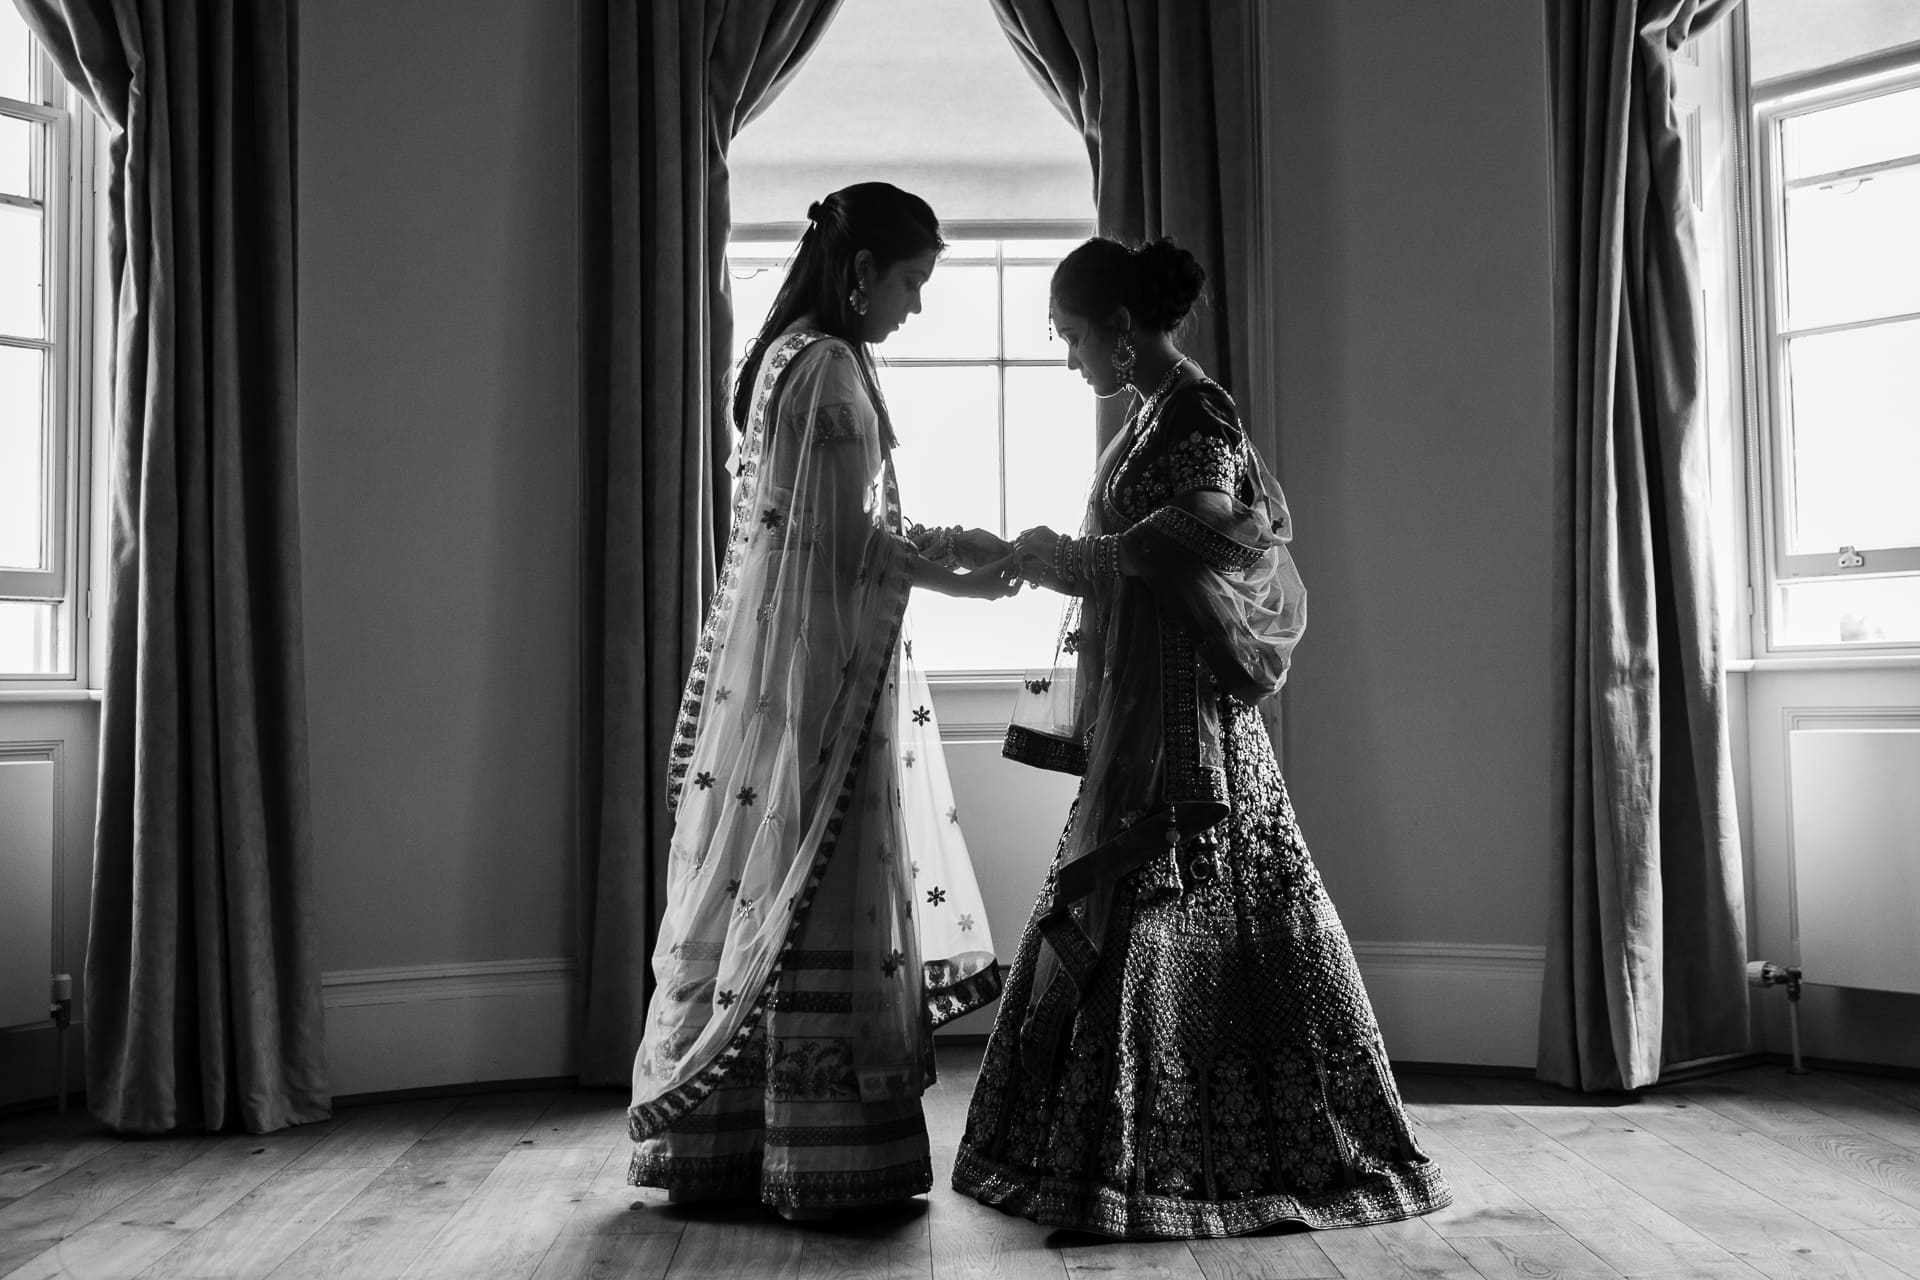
<point x="995" y="431"/>
<point x="1838" y="174"/>
<point x="45" y="248"/>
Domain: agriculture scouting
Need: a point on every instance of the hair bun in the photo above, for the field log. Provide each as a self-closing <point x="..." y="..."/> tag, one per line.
<point x="815" y="212"/>
<point x="1169" y="280"/>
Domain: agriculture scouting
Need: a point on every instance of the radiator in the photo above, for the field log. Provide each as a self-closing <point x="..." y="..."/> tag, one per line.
<point x="26" y="889"/>
<point x="1854" y="795"/>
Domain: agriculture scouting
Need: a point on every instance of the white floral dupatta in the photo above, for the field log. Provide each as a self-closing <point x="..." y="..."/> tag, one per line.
<point x="792" y="748"/>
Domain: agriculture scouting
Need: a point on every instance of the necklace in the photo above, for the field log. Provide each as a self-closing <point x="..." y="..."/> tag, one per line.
<point x="1139" y="426"/>
<point x="1152" y="402"/>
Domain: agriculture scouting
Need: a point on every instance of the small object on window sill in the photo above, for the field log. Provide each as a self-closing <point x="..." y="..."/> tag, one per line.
<point x="1851" y="559"/>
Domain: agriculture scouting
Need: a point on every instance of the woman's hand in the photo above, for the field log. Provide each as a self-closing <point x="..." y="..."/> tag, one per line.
<point x="977" y="548"/>
<point x="988" y="582"/>
<point x="991" y="581"/>
<point x="1033" y="553"/>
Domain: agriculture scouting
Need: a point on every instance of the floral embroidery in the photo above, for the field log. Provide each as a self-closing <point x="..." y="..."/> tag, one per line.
<point x="773" y="518"/>
<point x="1223" y="1072"/>
<point x="908" y="759"/>
<point x="811" y="1070"/>
<point x="703" y="780"/>
<point x="746" y="795"/>
<point x="1039" y="686"/>
<point x="725" y="999"/>
<point x="921" y="715"/>
<point x="834" y="424"/>
<point x="936" y="896"/>
<point x="891" y="965"/>
<point x="966" y="924"/>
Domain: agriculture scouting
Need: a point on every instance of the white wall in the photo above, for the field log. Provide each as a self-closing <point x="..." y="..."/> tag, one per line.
<point x="438" y="428"/>
<point x="1407" y="145"/>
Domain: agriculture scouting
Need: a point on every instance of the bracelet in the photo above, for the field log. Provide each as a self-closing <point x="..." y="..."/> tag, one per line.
<point x="1064" y="553"/>
<point x="1105" y="565"/>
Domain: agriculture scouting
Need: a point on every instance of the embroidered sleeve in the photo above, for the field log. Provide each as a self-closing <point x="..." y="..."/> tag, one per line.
<point x="1204" y="449"/>
<point x="1212" y="547"/>
<point x="834" y="424"/>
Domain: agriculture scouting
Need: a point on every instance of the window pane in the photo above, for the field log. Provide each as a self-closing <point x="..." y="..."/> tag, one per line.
<point x="1029" y="335"/>
<point x="1051" y="250"/>
<point x="961" y="304"/>
<point x="948" y="421"/>
<point x="32" y="639"/>
<point x="1050" y="450"/>
<point x="1855" y="446"/>
<point x="1849" y="611"/>
<point x="22" y="306"/>
<point x="974" y="250"/>
<point x="16" y="56"/>
<point x="1851" y="250"/>
<point x="1882" y="128"/>
<point x="20" y="148"/>
<point x="23" y="459"/>
<point x="753" y="290"/>
<point x="1014" y="634"/>
<point x="778" y="250"/>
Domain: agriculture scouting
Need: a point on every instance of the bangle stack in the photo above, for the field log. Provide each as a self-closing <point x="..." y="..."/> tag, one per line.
<point x="939" y="544"/>
<point x="1081" y="562"/>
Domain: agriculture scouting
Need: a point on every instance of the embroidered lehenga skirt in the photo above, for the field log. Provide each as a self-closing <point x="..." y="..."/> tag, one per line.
<point x="1224" y="1071"/>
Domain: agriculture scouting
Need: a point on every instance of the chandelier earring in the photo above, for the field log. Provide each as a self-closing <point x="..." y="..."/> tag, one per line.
<point x="857" y="298"/>
<point x="1123" y="358"/>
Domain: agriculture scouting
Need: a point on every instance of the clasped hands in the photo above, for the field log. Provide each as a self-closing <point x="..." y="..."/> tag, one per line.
<point x="983" y="562"/>
<point x="993" y="566"/>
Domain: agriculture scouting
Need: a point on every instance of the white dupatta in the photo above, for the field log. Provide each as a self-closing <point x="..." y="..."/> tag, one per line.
<point x="803" y="737"/>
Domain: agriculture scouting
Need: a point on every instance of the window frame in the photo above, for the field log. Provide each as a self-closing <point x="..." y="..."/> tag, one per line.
<point x="70" y="253"/>
<point x="1771" y="103"/>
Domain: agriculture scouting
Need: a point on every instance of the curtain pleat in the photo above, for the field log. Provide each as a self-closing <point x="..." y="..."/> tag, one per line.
<point x="665" y="87"/>
<point x="202" y="982"/>
<point x="1646" y="950"/>
<point x="1161" y="92"/>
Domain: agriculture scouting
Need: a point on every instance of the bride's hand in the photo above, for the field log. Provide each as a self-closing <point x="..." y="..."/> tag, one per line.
<point x="991" y="581"/>
<point x="1034" y="550"/>
<point x="976" y="548"/>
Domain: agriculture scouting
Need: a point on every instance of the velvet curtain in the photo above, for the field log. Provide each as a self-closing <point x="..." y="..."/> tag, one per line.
<point x="665" y="87"/>
<point x="202" y="987"/>
<point x="1646" y="951"/>
<point x="1160" y="91"/>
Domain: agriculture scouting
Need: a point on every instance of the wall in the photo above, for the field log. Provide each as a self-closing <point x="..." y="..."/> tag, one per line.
<point x="1408" y="234"/>
<point x="438" y="424"/>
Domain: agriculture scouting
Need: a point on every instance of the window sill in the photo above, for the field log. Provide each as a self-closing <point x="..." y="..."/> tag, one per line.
<point x="1830" y="662"/>
<point x="10" y="697"/>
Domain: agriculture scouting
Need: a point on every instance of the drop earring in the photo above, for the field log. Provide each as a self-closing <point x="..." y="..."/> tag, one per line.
<point x="857" y="298"/>
<point x="1123" y="358"/>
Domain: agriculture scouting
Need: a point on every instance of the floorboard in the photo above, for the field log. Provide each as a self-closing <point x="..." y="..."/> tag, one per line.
<point x="1754" y="1173"/>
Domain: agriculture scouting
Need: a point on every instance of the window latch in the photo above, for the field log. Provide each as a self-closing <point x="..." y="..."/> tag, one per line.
<point x="1851" y="559"/>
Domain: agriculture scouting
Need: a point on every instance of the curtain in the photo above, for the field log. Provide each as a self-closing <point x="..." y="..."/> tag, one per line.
<point x="1160" y="90"/>
<point x="202" y="988"/>
<point x="665" y="87"/>
<point x="1646" y="942"/>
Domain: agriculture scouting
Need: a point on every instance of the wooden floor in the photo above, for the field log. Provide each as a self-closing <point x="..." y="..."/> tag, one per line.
<point x="1756" y="1173"/>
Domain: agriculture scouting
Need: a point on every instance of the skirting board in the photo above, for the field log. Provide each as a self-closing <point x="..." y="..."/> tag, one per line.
<point x="1460" y="1004"/>
<point x="431" y="1025"/>
<point x="422" y="1026"/>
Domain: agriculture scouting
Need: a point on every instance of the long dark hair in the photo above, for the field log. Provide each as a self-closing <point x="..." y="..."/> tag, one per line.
<point x="879" y="217"/>
<point x="1157" y="283"/>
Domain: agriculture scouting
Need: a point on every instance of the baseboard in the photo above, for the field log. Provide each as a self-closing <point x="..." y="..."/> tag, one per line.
<point x="430" y="1026"/>
<point x="1455" y="1003"/>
